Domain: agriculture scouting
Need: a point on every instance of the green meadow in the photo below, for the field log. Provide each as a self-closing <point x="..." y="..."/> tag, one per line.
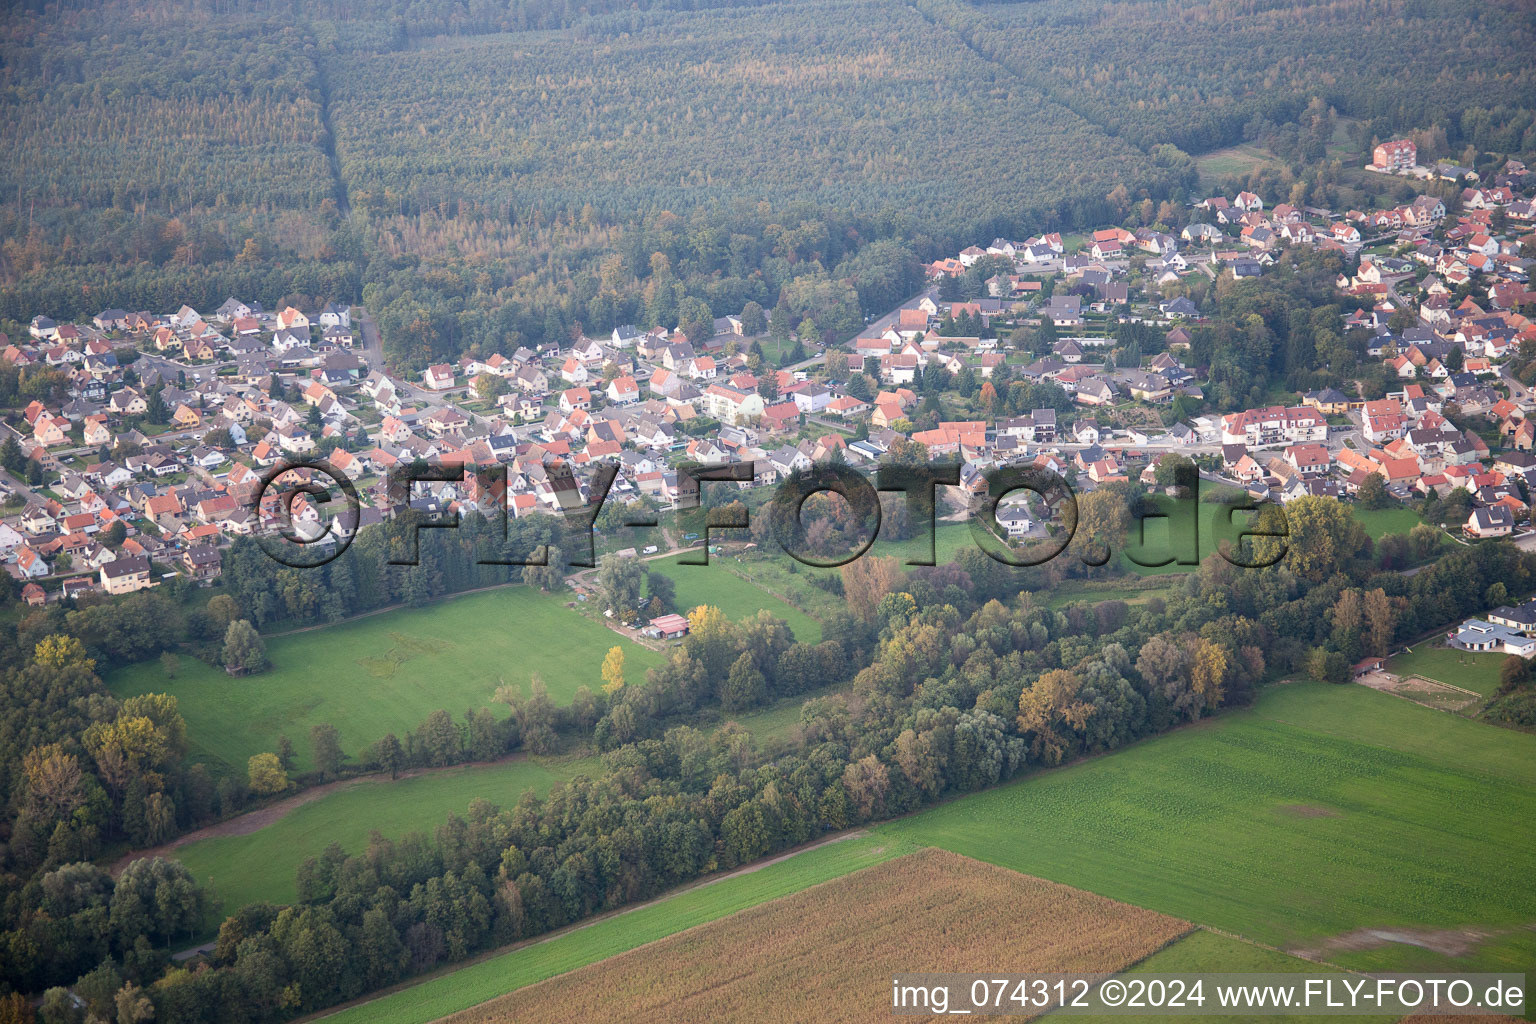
<point x="1379" y="522"/>
<point x="385" y="673"/>
<point x="717" y="584"/>
<point x="949" y="539"/>
<point x="1322" y="810"/>
<point x="263" y="865"/>
<point x="1466" y="669"/>
<point x="1174" y="535"/>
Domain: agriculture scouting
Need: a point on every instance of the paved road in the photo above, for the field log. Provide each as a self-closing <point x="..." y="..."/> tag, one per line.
<point x="1517" y="392"/>
<point x="877" y="326"/>
<point x="368" y="331"/>
<point x="409" y="392"/>
<point x="17" y="486"/>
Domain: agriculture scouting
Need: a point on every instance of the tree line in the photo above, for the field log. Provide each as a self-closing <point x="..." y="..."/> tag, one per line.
<point x="958" y="677"/>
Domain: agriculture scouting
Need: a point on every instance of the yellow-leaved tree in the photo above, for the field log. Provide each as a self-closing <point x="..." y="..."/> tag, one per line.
<point x="613" y="671"/>
<point x="266" y="774"/>
<point x="62" y="651"/>
<point x="1053" y="716"/>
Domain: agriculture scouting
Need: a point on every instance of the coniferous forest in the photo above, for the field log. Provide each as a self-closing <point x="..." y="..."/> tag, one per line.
<point x="486" y="175"/>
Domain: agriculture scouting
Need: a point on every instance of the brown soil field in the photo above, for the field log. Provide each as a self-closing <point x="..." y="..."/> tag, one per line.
<point x="828" y="954"/>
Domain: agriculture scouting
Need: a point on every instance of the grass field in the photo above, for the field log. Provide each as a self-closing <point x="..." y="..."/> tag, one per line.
<point x="770" y="569"/>
<point x="1323" y="810"/>
<point x="717" y="584"/>
<point x="244" y="869"/>
<point x="1466" y="669"/>
<point x="545" y="958"/>
<point x="1379" y="522"/>
<point x="1234" y="161"/>
<point x="828" y="954"/>
<point x="385" y="673"/>
<point x="779" y="720"/>
<point x="950" y="538"/>
<point x="1204" y="951"/>
<point x="1130" y="595"/>
<point x="1170" y="536"/>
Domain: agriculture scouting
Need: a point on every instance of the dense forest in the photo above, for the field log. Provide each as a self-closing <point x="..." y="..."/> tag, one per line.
<point x="685" y="110"/>
<point x="1204" y="75"/>
<point x="494" y="173"/>
<point x="519" y="185"/>
<point x="156" y="157"/>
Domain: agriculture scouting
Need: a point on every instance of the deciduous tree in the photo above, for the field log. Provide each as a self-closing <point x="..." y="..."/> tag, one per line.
<point x="244" y="650"/>
<point x="1053" y="716"/>
<point x="265" y="774"/>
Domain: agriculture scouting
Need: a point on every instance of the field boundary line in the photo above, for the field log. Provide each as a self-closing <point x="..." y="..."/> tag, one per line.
<point x="576" y="926"/>
<point x="272" y="813"/>
<point x="1275" y="949"/>
<point x="391" y="608"/>
<point x="1442" y="682"/>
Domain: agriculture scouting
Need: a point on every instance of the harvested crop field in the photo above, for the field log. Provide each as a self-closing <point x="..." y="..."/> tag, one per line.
<point x="828" y="953"/>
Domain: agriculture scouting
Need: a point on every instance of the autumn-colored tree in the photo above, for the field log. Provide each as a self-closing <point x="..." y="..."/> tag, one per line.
<point x="613" y="670"/>
<point x="1346" y="612"/>
<point x="60" y="650"/>
<point x="711" y="642"/>
<point x="133" y="1005"/>
<point x="16" y="1009"/>
<point x="266" y="774"/>
<point x="866" y="580"/>
<point x="1050" y="713"/>
<point x="1103" y="515"/>
<point x="1323" y="538"/>
<point x="866" y="782"/>
<point x="491" y="386"/>
<point x="918" y="761"/>
<point x="125" y="748"/>
<point x="54" y="781"/>
<point x="1381" y="618"/>
<point x="1208" y="672"/>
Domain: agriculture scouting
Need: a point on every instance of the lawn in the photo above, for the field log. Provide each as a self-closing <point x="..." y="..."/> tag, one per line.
<point x="262" y="865"/>
<point x="778" y="720"/>
<point x="950" y="538"/>
<point x="776" y="351"/>
<point x="1162" y="537"/>
<point x="1468" y="670"/>
<point x="1322" y="810"/>
<point x="1070" y="594"/>
<point x="385" y="673"/>
<point x="540" y="959"/>
<point x="1233" y="161"/>
<point x="772" y="570"/>
<point x="1379" y="522"/>
<point x="717" y="584"/>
